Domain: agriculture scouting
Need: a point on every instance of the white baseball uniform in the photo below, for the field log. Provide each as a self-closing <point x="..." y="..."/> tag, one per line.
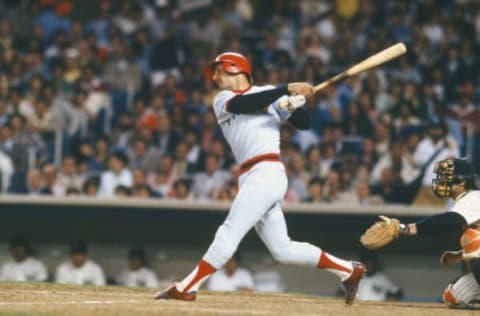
<point x="89" y="273"/>
<point x="240" y="279"/>
<point x="255" y="142"/>
<point x="143" y="277"/>
<point x="467" y="288"/>
<point x="29" y="270"/>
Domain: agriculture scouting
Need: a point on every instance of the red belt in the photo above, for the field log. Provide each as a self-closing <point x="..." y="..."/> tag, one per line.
<point x="248" y="164"/>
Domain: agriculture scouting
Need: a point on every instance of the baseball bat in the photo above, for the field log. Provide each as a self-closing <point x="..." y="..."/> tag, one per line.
<point x="379" y="58"/>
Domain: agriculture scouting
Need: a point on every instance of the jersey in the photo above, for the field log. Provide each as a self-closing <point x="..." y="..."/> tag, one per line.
<point x="250" y="135"/>
<point x="468" y="207"/>
<point x="89" y="273"/>
<point x="29" y="270"/>
<point x="241" y="279"/>
<point x="376" y="287"/>
<point x="143" y="277"/>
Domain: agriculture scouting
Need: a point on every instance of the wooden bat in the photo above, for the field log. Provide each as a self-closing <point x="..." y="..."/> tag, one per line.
<point x="379" y="58"/>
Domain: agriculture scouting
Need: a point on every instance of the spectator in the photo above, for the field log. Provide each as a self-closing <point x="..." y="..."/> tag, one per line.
<point x="181" y="190"/>
<point x="22" y="267"/>
<point x="144" y="156"/>
<point x="315" y="190"/>
<point x="122" y="191"/>
<point x="118" y="174"/>
<point x="363" y="193"/>
<point x="390" y="187"/>
<point x="399" y="161"/>
<point x="79" y="269"/>
<point x="298" y="175"/>
<point x="51" y="184"/>
<point x="232" y="277"/>
<point x="90" y="187"/>
<point x="6" y="171"/>
<point x="89" y="70"/>
<point x="73" y="192"/>
<point x="213" y="178"/>
<point x="34" y="182"/>
<point x="68" y="176"/>
<point x="138" y="274"/>
<point x="435" y="146"/>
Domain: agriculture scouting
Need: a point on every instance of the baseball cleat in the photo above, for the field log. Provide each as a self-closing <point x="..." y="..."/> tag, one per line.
<point x="171" y="293"/>
<point x="351" y="284"/>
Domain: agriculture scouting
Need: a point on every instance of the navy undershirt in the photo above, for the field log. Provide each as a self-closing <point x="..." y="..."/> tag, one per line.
<point x="254" y="102"/>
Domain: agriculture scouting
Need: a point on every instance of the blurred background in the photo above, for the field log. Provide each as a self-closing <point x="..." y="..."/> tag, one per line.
<point x="111" y="158"/>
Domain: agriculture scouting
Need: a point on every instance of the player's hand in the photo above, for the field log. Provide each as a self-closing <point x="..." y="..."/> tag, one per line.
<point x="295" y="101"/>
<point x="302" y="88"/>
<point x="451" y="257"/>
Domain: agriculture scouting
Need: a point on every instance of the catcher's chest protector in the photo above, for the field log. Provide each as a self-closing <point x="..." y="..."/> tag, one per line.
<point x="474" y="266"/>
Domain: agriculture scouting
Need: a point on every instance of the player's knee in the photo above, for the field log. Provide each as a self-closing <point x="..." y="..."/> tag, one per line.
<point x="449" y="298"/>
<point x="281" y="255"/>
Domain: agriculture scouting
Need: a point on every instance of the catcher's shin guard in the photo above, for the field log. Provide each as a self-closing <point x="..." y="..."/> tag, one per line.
<point x="448" y="297"/>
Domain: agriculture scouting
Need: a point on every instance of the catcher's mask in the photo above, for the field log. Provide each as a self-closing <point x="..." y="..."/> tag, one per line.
<point x="449" y="172"/>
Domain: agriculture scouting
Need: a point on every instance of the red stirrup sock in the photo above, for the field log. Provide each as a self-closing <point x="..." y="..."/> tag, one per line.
<point x="192" y="282"/>
<point x="339" y="267"/>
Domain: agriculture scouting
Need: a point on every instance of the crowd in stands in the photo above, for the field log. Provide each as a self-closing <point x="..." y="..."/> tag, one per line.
<point x="113" y="102"/>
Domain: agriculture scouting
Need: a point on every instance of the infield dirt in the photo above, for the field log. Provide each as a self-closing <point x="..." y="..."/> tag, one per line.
<point x="53" y="299"/>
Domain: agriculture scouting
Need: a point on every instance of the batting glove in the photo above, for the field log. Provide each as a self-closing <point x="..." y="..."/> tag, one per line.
<point x="295" y="101"/>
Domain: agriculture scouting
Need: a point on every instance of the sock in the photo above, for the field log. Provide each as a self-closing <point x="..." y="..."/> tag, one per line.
<point x="192" y="282"/>
<point x="339" y="267"/>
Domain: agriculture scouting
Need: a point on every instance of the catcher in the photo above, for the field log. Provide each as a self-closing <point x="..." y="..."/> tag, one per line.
<point x="454" y="178"/>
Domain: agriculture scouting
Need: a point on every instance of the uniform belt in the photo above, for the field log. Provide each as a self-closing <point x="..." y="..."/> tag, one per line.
<point x="248" y="164"/>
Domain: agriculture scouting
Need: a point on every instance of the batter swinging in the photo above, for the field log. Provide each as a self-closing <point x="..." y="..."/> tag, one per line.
<point x="250" y="118"/>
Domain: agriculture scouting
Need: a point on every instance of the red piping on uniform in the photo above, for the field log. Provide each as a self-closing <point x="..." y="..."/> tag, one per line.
<point x="227" y="105"/>
<point x="326" y="263"/>
<point x="242" y="91"/>
<point x="248" y="164"/>
<point x="204" y="269"/>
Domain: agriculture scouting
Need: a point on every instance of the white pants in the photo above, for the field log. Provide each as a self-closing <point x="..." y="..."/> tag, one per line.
<point x="257" y="203"/>
<point x="464" y="290"/>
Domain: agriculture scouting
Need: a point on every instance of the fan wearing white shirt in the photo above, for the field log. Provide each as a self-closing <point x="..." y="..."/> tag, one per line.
<point x="118" y="175"/>
<point x="79" y="270"/>
<point x="22" y="267"/>
<point x="138" y="273"/>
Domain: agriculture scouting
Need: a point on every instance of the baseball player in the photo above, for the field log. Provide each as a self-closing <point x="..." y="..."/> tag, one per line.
<point x="250" y="118"/>
<point x="454" y="178"/>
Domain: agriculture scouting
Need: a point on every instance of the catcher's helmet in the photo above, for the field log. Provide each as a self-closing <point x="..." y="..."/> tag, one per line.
<point x="233" y="63"/>
<point x="449" y="172"/>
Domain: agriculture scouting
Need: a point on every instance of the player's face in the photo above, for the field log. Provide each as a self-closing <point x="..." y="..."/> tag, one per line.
<point x="78" y="259"/>
<point x="223" y="79"/>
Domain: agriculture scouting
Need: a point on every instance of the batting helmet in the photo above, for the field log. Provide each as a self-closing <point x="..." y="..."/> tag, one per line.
<point x="449" y="172"/>
<point x="233" y="63"/>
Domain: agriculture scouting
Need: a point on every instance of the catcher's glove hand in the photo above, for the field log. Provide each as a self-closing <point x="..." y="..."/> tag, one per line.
<point x="381" y="233"/>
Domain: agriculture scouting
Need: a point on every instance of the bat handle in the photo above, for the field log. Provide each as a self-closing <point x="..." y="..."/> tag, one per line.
<point x="321" y="86"/>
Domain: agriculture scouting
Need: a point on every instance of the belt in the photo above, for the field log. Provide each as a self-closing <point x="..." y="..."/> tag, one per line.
<point x="248" y="164"/>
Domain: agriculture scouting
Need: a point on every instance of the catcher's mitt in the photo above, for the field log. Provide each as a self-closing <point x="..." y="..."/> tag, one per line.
<point x="381" y="233"/>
